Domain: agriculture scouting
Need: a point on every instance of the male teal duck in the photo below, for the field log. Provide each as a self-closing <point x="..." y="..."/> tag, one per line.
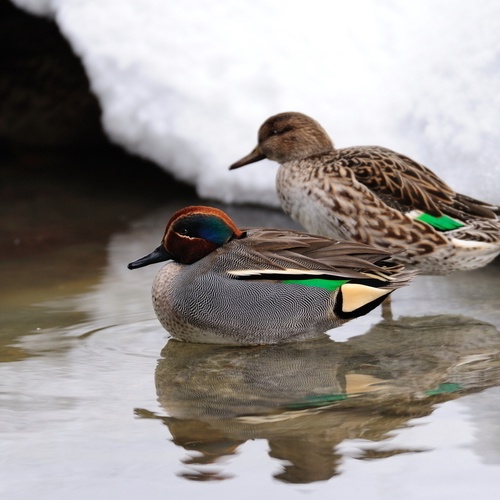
<point x="226" y="285"/>
<point x="376" y="196"/>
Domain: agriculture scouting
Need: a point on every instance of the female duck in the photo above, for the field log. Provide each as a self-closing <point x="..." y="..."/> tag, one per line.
<point x="375" y="196"/>
<point x="261" y="286"/>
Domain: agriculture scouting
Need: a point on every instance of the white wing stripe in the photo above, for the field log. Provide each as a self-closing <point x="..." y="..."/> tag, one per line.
<point x="251" y="272"/>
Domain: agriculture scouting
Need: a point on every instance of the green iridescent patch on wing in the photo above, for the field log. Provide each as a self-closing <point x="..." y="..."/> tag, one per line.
<point x="443" y="223"/>
<point x="330" y="285"/>
<point x="317" y="401"/>
<point x="445" y="388"/>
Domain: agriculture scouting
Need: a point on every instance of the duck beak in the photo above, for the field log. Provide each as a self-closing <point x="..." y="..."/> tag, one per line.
<point x="157" y="255"/>
<point x="255" y="155"/>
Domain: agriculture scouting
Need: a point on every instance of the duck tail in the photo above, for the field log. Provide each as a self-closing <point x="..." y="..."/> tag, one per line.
<point x="359" y="297"/>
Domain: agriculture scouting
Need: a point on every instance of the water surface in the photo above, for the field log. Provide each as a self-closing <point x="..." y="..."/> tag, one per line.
<point x="98" y="402"/>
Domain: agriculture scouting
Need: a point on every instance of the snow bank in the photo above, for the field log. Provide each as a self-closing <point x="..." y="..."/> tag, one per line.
<point x="187" y="84"/>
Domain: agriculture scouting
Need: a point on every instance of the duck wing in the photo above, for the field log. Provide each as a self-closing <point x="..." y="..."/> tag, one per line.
<point x="284" y="253"/>
<point x="406" y="185"/>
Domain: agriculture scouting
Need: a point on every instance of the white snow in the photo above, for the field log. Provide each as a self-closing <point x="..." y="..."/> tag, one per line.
<point x="187" y="84"/>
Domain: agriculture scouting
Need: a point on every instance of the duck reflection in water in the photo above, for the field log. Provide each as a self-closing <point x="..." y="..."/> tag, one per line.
<point x="306" y="398"/>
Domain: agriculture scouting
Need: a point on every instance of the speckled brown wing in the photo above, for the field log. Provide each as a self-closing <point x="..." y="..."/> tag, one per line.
<point x="406" y="185"/>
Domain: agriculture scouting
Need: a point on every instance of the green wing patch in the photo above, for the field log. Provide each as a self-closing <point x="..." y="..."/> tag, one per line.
<point x="443" y="223"/>
<point x="330" y="285"/>
<point x="445" y="388"/>
<point x="317" y="401"/>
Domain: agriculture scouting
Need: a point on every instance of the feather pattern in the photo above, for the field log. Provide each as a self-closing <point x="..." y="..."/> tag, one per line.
<point x="272" y="251"/>
<point x="402" y="182"/>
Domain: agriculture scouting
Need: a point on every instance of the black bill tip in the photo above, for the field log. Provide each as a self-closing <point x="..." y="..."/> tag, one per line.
<point x="157" y="255"/>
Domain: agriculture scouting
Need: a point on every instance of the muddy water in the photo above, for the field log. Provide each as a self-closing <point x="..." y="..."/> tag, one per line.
<point x="98" y="402"/>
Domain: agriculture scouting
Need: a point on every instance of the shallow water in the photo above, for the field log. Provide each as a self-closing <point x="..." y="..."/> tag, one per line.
<point x="97" y="402"/>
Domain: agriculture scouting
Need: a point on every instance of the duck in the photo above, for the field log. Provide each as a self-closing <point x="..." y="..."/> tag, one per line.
<point x="376" y="196"/>
<point x="255" y="286"/>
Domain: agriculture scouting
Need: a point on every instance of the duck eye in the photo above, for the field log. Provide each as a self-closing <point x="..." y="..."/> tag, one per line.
<point x="183" y="230"/>
<point x="282" y="131"/>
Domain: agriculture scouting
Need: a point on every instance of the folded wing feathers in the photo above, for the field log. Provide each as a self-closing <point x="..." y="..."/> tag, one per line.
<point x="270" y="251"/>
<point x="413" y="185"/>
